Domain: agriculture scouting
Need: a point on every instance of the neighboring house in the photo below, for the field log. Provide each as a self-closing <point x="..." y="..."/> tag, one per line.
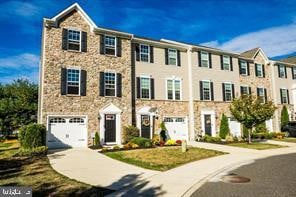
<point x="98" y="80"/>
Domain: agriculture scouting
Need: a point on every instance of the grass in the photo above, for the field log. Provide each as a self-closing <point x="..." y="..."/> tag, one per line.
<point x="37" y="173"/>
<point x="289" y="139"/>
<point x="256" y="145"/>
<point x="163" y="158"/>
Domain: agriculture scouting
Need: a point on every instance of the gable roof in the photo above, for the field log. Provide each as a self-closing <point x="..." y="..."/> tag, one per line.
<point x="290" y="60"/>
<point x="250" y="53"/>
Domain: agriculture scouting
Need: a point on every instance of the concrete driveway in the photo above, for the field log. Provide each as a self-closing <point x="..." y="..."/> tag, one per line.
<point x="90" y="167"/>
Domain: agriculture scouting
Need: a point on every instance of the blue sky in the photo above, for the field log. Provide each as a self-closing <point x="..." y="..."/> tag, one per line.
<point x="232" y="25"/>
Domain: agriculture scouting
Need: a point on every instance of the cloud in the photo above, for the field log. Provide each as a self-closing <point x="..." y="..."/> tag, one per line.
<point x="18" y="8"/>
<point x="24" y="60"/>
<point x="32" y="76"/>
<point x="275" y="41"/>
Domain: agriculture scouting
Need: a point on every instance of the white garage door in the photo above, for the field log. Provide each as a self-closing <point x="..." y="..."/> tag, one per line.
<point x="177" y="127"/>
<point x="67" y="132"/>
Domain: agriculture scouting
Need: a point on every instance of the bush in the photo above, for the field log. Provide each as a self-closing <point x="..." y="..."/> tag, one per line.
<point x="280" y="135"/>
<point x="170" y="142"/>
<point x="130" y="145"/>
<point x="229" y="139"/>
<point x="261" y="128"/>
<point x="97" y="139"/>
<point x="116" y="148"/>
<point x="129" y="132"/>
<point x="224" y="127"/>
<point x="32" y="136"/>
<point x="141" y="142"/>
<point x="2" y="138"/>
<point x="38" y="151"/>
<point x="284" y="116"/>
<point x="155" y="140"/>
<point x="245" y="132"/>
<point x="208" y="138"/>
<point x="163" y="131"/>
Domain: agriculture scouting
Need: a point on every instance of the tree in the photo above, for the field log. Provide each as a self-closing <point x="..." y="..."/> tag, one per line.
<point x="18" y="105"/>
<point x="251" y="111"/>
<point x="224" y="127"/>
<point x="284" y="116"/>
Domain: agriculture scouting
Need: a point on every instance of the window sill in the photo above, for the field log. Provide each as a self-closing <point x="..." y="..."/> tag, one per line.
<point x="72" y="95"/>
<point x="110" y="55"/>
<point x="74" y="51"/>
<point x="244" y="75"/>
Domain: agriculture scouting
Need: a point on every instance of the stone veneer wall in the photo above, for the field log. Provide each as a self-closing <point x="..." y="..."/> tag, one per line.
<point x="93" y="62"/>
<point x="164" y="108"/>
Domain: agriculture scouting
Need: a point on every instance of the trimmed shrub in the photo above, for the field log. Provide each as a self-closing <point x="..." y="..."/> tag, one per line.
<point x="261" y="128"/>
<point x="32" y="136"/>
<point x="163" y="132"/>
<point x="37" y="151"/>
<point x="97" y="139"/>
<point x="208" y="138"/>
<point x="129" y="132"/>
<point x="224" y="127"/>
<point x="141" y="142"/>
<point x="284" y="116"/>
<point x="170" y="143"/>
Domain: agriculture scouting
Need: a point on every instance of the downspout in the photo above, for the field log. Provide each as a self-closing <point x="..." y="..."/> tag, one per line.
<point x="190" y="99"/>
<point x="274" y="96"/>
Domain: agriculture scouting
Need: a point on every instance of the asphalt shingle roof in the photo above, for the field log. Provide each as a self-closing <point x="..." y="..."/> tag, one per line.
<point x="250" y="53"/>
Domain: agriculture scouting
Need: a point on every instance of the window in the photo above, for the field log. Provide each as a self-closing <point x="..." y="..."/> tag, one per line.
<point x="57" y="120"/>
<point x="228" y="91"/>
<point x="73" y="81"/>
<point x="172" y="56"/>
<point x="243" y="67"/>
<point x="110" y="45"/>
<point x="204" y="59"/>
<point x="76" y="120"/>
<point x="261" y="94"/>
<point x="110" y="83"/>
<point x="284" y="96"/>
<point x="173" y="89"/>
<point x="282" y="71"/>
<point x="74" y="40"/>
<point x="168" y="120"/>
<point x="259" y="70"/>
<point x="206" y="90"/>
<point x="145" y="87"/>
<point x="226" y="62"/>
<point x="294" y="72"/>
<point x="245" y="90"/>
<point x="144" y="53"/>
<point x="180" y="119"/>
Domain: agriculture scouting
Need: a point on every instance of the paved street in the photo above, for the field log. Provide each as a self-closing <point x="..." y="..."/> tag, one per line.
<point x="272" y="176"/>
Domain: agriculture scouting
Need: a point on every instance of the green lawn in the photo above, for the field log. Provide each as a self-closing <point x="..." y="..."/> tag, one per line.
<point x="37" y="173"/>
<point x="289" y="139"/>
<point x="162" y="158"/>
<point x="256" y="145"/>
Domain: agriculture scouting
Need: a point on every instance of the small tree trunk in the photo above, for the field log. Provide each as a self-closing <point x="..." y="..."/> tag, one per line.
<point x="249" y="135"/>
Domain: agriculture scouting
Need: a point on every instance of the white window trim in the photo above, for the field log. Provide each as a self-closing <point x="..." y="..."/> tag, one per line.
<point x="286" y="89"/>
<point x="74" y="68"/>
<point x="166" y="87"/>
<point x="229" y="68"/>
<point x="147" y="77"/>
<point x="144" y="53"/>
<point x="260" y="70"/>
<point x="74" y="29"/>
<point x="115" y="44"/>
<point x="210" y="93"/>
<point x="208" y="59"/>
<point x="169" y="56"/>
<point x="294" y="71"/>
<point x="261" y="87"/>
<point x="248" y="88"/>
<point x="285" y="74"/>
<point x="229" y="83"/>
<point x="115" y="94"/>
<point x="247" y="73"/>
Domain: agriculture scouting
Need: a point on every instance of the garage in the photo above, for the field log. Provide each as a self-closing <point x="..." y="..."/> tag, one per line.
<point x="177" y="127"/>
<point x="66" y="132"/>
<point x="234" y="126"/>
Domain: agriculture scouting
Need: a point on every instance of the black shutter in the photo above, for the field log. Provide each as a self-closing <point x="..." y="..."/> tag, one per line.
<point x="212" y="91"/>
<point x="248" y="68"/>
<point x="265" y="94"/>
<point x="65" y="39"/>
<point x="250" y="92"/>
<point x="285" y="71"/>
<point x="84" y="42"/>
<point x="83" y="83"/>
<point x="200" y="90"/>
<point x="279" y="71"/>
<point x="63" y="81"/>
<point x="221" y="62"/>
<point x="210" y="60"/>
<point x="138" y="87"/>
<point x="233" y="91"/>
<point x="223" y="91"/>
<point x="257" y="92"/>
<point x="102" y="44"/>
<point x="231" y="64"/>
<point x="256" y="68"/>
<point x="241" y="90"/>
<point x="151" y="54"/>
<point x="293" y="74"/>
<point x="119" y="84"/>
<point x="152" y="88"/>
<point x="199" y="58"/>
<point x="166" y="56"/>
<point x="263" y="70"/>
<point x="288" y="96"/>
<point x="240" y="68"/>
<point x="118" y="49"/>
<point x="137" y="52"/>
<point x="178" y="58"/>
<point x="102" y="84"/>
<point x="281" y="92"/>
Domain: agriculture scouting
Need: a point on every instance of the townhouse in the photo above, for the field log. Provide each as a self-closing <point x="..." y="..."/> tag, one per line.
<point x="94" y="79"/>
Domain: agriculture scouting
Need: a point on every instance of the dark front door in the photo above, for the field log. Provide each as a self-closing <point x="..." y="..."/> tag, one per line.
<point x="110" y="128"/>
<point x="145" y="126"/>
<point x="208" y="125"/>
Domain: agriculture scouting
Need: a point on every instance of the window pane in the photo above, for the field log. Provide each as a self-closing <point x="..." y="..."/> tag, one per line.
<point x="228" y="91"/>
<point x="245" y="90"/>
<point x="144" y="53"/>
<point x="145" y="88"/>
<point x="259" y="70"/>
<point x="282" y="72"/>
<point x="172" y="53"/>
<point x="110" y="45"/>
<point x="170" y="89"/>
<point x="110" y="85"/>
<point x="204" y="59"/>
<point x="73" y="81"/>
<point x="206" y="90"/>
<point x="177" y="90"/>
<point x="226" y="62"/>
<point x="243" y="67"/>
<point x="73" y="40"/>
